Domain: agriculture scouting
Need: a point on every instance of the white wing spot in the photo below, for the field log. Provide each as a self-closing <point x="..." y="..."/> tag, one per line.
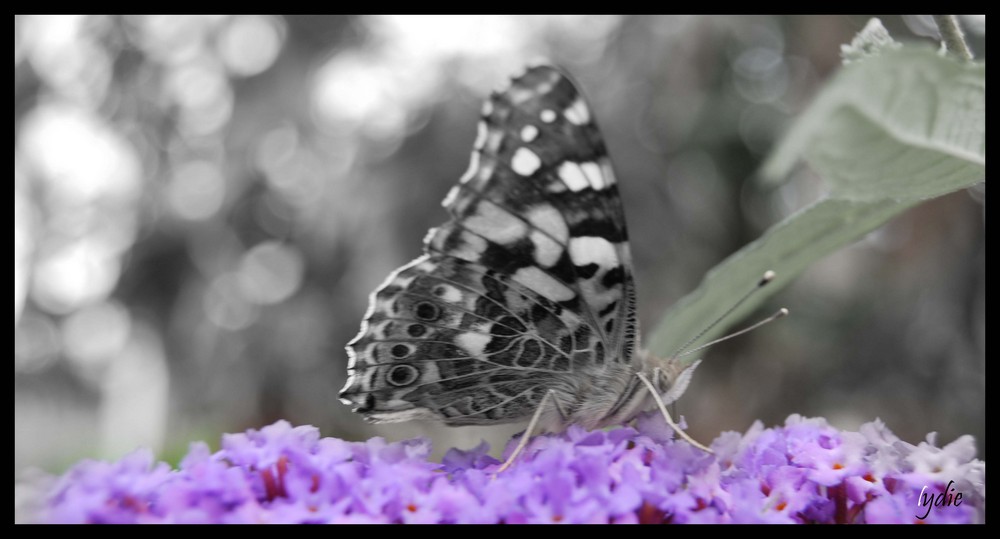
<point x="546" y="217"/>
<point x="594" y="175"/>
<point x="472" y="170"/>
<point x="607" y="172"/>
<point x="495" y="224"/>
<point x="515" y="302"/>
<point x="431" y="234"/>
<point x="483" y="172"/>
<point x="534" y="278"/>
<point x="577" y="113"/>
<point x="548" y="116"/>
<point x="547" y="251"/>
<point x="482" y="132"/>
<point x="493" y="138"/>
<point x="525" y="162"/>
<point x="472" y="247"/>
<point x="451" y="197"/>
<point x="529" y="133"/>
<point x="448" y="293"/>
<point x="425" y="266"/>
<point x="473" y="343"/>
<point x="593" y="249"/>
<point x="572" y="175"/>
<point x="556" y="187"/>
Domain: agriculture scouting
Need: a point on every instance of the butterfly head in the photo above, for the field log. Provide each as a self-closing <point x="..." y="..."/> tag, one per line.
<point x="671" y="376"/>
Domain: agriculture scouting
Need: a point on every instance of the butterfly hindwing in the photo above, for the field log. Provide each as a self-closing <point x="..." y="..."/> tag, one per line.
<point x="530" y="281"/>
<point x="450" y="340"/>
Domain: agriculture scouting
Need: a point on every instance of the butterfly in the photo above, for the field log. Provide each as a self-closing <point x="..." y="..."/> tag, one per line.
<point x="523" y="304"/>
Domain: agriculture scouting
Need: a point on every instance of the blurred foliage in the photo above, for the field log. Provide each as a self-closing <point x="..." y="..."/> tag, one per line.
<point x="203" y="203"/>
<point x="884" y="134"/>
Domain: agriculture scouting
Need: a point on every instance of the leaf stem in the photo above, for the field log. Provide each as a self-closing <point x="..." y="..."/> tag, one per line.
<point x="952" y="36"/>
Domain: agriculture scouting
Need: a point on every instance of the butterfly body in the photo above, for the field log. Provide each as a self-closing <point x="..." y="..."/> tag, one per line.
<point x="525" y="298"/>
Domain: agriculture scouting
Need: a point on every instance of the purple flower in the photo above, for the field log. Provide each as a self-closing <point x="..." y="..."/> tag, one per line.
<point x="803" y="472"/>
<point x="120" y="492"/>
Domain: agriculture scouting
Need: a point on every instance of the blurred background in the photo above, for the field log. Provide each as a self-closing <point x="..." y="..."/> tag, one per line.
<point x="203" y="203"/>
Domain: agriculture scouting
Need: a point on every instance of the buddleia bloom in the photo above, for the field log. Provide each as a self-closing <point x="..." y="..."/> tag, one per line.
<point x="805" y="471"/>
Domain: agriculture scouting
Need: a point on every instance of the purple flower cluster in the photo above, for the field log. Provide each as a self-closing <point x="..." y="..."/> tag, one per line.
<point x="804" y="472"/>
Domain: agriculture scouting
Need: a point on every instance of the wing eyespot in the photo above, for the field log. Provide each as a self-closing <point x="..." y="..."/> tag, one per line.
<point x="416" y="330"/>
<point x="427" y="311"/>
<point x="402" y="375"/>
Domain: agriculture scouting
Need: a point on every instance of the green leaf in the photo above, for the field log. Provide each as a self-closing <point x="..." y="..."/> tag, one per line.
<point x="906" y="124"/>
<point x="885" y="133"/>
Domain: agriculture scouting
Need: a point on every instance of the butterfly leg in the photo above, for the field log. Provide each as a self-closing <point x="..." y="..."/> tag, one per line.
<point x="666" y="414"/>
<point x="531" y="429"/>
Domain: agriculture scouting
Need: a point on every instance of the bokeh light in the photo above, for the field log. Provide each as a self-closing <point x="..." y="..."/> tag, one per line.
<point x="249" y="44"/>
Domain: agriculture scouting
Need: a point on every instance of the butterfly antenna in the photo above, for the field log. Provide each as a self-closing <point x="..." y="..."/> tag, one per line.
<point x="782" y="312"/>
<point x="766" y="278"/>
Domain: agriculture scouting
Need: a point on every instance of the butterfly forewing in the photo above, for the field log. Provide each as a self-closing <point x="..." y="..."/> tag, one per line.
<point x="530" y="281"/>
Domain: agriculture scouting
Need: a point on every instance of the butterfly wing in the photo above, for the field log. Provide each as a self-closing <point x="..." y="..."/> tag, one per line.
<point x="527" y="284"/>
